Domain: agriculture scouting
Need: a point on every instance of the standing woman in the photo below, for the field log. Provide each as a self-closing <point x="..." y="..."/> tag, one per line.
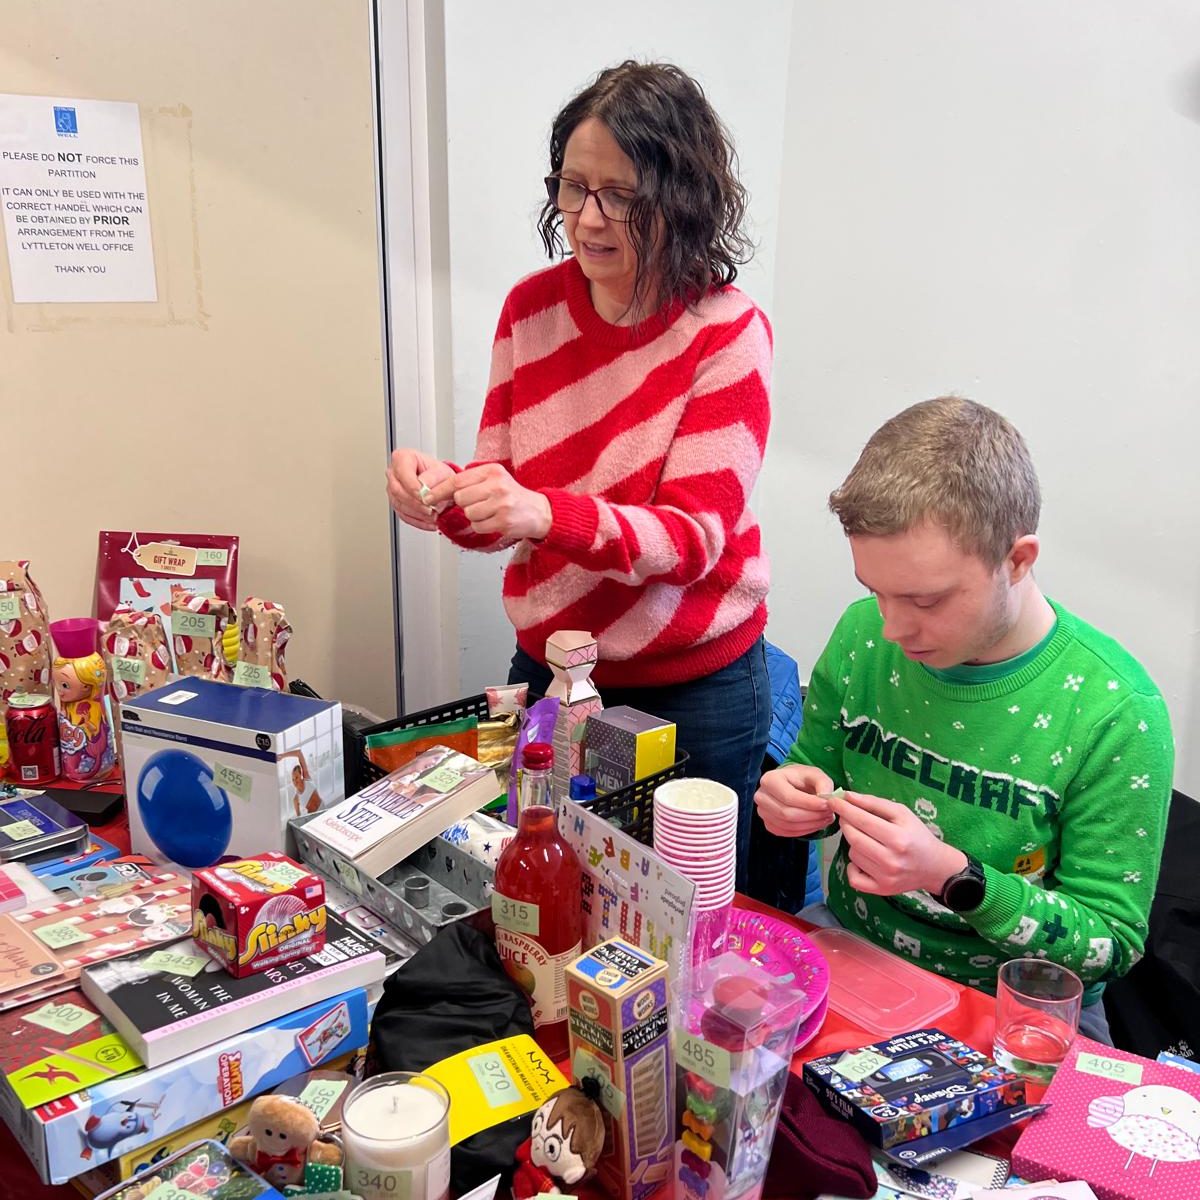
<point x="624" y="427"/>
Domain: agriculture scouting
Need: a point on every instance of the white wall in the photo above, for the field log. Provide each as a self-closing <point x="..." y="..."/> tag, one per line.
<point x="998" y="200"/>
<point x="509" y="68"/>
<point x="1004" y="201"/>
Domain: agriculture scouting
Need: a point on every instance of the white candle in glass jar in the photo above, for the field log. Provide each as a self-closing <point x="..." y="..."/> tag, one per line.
<point x="396" y="1135"/>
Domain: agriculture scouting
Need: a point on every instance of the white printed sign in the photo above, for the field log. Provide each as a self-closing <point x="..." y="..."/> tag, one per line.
<point x="73" y="192"/>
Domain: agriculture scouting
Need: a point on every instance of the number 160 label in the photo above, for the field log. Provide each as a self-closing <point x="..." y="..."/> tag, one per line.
<point x="702" y="1058"/>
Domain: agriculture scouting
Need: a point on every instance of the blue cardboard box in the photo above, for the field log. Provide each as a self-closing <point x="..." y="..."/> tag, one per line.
<point x="910" y="1086"/>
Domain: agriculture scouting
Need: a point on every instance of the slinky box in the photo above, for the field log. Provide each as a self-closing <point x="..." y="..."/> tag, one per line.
<point x="257" y="913"/>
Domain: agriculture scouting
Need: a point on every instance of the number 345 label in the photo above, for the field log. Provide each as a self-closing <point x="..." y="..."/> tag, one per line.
<point x="702" y="1058"/>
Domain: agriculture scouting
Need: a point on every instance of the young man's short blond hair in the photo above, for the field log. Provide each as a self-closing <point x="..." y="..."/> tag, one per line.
<point x="950" y="461"/>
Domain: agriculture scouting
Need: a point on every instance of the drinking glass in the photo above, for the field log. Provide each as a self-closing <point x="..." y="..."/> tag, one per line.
<point x="1037" y="1016"/>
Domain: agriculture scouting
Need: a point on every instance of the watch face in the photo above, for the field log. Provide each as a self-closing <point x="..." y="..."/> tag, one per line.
<point x="964" y="893"/>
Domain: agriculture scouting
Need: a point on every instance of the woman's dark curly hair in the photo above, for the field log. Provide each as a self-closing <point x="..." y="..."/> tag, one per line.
<point x="687" y="176"/>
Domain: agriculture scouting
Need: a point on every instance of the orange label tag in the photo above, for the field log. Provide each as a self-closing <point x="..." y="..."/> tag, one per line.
<point x="166" y="559"/>
<point x="1030" y="864"/>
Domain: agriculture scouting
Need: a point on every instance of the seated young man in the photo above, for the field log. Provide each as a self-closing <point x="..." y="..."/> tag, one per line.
<point x="1008" y="767"/>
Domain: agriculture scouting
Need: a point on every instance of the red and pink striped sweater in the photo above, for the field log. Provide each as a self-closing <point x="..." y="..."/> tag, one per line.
<point x="646" y="442"/>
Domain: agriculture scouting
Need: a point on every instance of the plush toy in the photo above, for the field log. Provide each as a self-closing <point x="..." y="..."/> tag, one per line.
<point x="282" y="1141"/>
<point x="565" y="1142"/>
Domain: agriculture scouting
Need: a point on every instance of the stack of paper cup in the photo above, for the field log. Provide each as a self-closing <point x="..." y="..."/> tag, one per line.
<point x="695" y="831"/>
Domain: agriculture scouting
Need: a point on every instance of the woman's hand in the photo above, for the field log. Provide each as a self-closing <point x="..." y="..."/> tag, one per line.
<point x="494" y="502"/>
<point x="411" y="478"/>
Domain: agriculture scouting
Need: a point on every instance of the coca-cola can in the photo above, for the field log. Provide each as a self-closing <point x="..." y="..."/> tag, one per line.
<point x="32" y="727"/>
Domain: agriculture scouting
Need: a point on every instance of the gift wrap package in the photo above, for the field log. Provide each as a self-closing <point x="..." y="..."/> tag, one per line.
<point x="212" y="769"/>
<point x="24" y="634"/>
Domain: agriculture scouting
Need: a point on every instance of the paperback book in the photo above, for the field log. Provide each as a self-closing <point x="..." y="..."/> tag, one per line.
<point x="173" y="1000"/>
<point x="395" y="816"/>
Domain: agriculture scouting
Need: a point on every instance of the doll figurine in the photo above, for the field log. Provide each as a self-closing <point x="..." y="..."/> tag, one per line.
<point x="282" y="1143"/>
<point x="83" y="732"/>
<point x="564" y="1143"/>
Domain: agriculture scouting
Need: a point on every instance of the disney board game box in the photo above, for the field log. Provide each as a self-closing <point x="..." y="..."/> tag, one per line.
<point x="1129" y="1126"/>
<point x="910" y="1086"/>
<point x="98" y="1125"/>
<point x="214" y="770"/>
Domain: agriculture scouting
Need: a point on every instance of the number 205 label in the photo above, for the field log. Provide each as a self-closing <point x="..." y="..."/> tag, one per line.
<point x="702" y="1058"/>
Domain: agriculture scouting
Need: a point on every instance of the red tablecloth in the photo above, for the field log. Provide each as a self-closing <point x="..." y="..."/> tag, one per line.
<point x="971" y="1020"/>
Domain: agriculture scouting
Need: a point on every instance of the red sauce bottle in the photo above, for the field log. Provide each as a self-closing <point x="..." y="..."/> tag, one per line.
<point x="539" y="920"/>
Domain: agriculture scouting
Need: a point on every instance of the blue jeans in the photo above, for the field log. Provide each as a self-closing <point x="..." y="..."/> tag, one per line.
<point x="722" y="721"/>
<point x="1093" y="1022"/>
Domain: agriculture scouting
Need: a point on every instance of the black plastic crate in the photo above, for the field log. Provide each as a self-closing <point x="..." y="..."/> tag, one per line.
<point x="631" y="808"/>
<point x="472" y="706"/>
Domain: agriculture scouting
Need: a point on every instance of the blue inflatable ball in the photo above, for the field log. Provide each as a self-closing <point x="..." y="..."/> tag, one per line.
<point x="188" y="817"/>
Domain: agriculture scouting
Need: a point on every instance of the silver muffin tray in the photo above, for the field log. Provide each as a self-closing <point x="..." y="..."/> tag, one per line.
<point x="435" y="887"/>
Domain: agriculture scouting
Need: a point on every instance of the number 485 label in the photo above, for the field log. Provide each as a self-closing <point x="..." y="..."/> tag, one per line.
<point x="702" y="1058"/>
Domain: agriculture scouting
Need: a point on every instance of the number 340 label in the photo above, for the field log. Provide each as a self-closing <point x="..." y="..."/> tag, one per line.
<point x="702" y="1058"/>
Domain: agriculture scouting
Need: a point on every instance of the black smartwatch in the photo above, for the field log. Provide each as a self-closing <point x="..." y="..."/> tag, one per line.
<point x="965" y="889"/>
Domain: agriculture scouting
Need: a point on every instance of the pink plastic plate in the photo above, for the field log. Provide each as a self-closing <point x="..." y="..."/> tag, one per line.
<point x="784" y="952"/>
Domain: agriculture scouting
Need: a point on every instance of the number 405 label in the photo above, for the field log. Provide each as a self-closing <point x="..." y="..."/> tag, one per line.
<point x="702" y="1058"/>
<point x="1110" y="1068"/>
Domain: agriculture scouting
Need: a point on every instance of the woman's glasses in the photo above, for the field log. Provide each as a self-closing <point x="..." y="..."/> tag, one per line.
<point x="569" y="197"/>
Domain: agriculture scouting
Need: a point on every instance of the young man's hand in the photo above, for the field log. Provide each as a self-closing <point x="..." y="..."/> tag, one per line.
<point x="793" y="800"/>
<point x="892" y="850"/>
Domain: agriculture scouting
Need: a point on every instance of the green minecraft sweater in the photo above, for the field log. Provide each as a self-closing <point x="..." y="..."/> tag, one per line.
<point x="1056" y="776"/>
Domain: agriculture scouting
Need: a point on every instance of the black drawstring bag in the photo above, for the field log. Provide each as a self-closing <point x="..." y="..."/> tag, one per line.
<point x="453" y="995"/>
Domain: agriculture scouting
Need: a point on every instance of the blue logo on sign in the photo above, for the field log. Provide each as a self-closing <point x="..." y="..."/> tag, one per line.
<point x="65" y="124"/>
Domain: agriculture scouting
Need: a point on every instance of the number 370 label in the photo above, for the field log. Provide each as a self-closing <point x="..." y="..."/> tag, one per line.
<point x="702" y="1058"/>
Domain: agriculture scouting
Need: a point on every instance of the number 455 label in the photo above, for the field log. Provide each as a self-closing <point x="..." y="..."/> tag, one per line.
<point x="702" y="1058"/>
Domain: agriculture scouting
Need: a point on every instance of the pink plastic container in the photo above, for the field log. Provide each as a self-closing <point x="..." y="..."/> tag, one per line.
<point x="878" y="990"/>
